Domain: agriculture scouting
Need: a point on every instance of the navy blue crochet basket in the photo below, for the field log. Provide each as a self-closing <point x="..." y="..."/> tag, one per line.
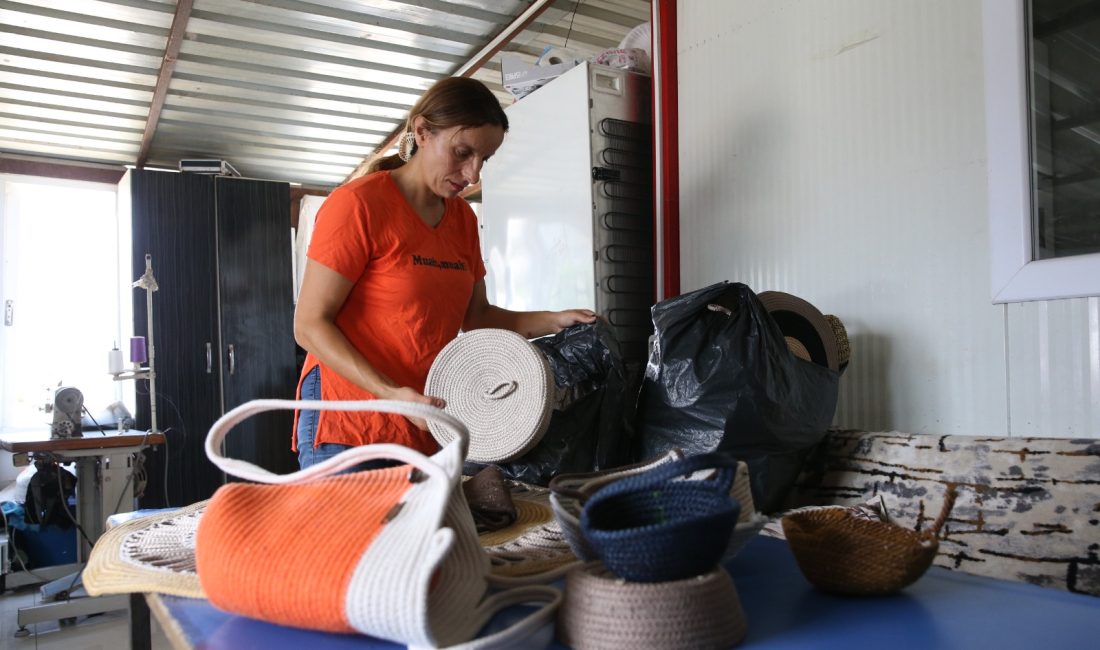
<point x="653" y="528"/>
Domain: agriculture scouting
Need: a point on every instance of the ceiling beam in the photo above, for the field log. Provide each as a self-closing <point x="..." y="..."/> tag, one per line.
<point x="164" y="77"/>
<point x="510" y="31"/>
<point x="503" y="37"/>
<point x="52" y="169"/>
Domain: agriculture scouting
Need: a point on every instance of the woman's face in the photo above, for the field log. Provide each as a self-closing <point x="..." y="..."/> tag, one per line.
<point x="451" y="159"/>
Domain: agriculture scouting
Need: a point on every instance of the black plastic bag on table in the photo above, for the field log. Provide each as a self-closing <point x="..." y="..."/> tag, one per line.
<point x="588" y="428"/>
<point x="721" y="378"/>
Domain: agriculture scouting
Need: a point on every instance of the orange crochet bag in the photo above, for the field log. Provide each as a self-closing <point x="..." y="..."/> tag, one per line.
<point x="392" y="553"/>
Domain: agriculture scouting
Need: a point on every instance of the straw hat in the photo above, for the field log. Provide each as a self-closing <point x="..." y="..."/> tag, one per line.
<point x="814" y="338"/>
<point x="499" y="385"/>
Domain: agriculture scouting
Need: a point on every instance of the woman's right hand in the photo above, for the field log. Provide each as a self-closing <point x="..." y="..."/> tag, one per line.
<point x="406" y="394"/>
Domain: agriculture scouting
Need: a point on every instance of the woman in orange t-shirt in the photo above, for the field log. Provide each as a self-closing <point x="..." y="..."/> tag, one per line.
<point x="394" y="271"/>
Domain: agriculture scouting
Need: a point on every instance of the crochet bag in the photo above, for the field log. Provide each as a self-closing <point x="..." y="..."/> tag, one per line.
<point x="392" y="553"/>
<point x="652" y="528"/>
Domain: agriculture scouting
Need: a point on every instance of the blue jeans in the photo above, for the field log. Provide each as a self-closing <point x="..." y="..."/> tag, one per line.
<point x="307" y="430"/>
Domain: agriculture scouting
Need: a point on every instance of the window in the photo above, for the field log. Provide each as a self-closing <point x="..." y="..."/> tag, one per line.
<point x="62" y="279"/>
<point x="1042" y="64"/>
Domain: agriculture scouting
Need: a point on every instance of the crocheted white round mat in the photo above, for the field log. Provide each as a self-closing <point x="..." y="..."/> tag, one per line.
<point x="499" y="386"/>
<point x="154" y="554"/>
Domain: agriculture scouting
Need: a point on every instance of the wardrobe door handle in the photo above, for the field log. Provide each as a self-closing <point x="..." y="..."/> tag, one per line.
<point x="209" y="358"/>
<point x="232" y="359"/>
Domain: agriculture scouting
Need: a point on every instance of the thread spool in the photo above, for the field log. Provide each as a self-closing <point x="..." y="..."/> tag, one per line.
<point x="114" y="361"/>
<point x="138" y="353"/>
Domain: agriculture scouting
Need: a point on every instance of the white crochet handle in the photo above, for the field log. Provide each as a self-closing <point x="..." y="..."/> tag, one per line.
<point x="345" y="459"/>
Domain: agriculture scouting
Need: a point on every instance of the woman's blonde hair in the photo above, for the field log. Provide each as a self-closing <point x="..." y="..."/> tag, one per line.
<point x="450" y="102"/>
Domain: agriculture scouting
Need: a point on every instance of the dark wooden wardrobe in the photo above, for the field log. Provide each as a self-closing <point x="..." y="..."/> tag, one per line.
<point x="222" y="321"/>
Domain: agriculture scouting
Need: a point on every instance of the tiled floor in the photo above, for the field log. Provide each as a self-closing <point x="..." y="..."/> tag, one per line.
<point x="109" y="631"/>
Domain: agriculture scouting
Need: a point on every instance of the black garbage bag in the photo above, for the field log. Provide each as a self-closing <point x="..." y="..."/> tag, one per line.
<point x="721" y="378"/>
<point x="48" y="495"/>
<point x="589" y="427"/>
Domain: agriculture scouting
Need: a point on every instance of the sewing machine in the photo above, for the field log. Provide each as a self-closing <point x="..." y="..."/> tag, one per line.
<point x="104" y="463"/>
<point x="105" y="485"/>
<point x="67" y="409"/>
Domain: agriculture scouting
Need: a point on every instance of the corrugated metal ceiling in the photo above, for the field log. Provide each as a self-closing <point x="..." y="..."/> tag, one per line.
<point x="282" y="89"/>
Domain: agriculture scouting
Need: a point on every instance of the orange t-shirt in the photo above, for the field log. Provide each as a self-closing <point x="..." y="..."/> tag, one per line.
<point x="412" y="285"/>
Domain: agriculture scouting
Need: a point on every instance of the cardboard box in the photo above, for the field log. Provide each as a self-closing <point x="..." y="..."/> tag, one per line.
<point x="521" y="79"/>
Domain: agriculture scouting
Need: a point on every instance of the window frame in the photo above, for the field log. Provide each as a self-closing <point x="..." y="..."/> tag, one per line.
<point x="1016" y="276"/>
<point x="124" y="391"/>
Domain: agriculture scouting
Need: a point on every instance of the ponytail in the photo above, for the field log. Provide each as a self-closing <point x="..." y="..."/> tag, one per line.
<point x="385" y="163"/>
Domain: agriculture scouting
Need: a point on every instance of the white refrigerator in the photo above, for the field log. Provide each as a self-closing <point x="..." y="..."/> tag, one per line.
<point x="567" y="209"/>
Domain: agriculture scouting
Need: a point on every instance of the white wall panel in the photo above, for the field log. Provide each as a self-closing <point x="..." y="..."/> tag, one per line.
<point x="1054" y="367"/>
<point x="836" y="150"/>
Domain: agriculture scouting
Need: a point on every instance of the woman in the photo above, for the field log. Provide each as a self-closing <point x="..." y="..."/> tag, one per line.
<point x="394" y="271"/>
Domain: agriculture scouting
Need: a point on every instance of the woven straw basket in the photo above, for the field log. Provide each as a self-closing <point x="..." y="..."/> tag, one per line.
<point x="845" y="554"/>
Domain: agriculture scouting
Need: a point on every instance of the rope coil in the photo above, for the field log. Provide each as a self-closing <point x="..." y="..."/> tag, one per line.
<point x="602" y="611"/>
<point x="500" y="386"/>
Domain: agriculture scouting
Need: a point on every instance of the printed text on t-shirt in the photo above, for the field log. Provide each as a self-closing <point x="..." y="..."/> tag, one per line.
<point x="457" y="265"/>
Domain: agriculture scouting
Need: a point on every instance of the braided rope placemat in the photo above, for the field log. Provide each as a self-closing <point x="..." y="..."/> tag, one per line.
<point x="148" y="554"/>
<point x="540" y="550"/>
<point x="534" y="544"/>
<point x="602" y="611"/>
<point x="529" y="514"/>
<point x="499" y="385"/>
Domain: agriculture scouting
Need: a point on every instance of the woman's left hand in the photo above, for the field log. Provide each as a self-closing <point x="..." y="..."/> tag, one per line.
<point x="560" y="320"/>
